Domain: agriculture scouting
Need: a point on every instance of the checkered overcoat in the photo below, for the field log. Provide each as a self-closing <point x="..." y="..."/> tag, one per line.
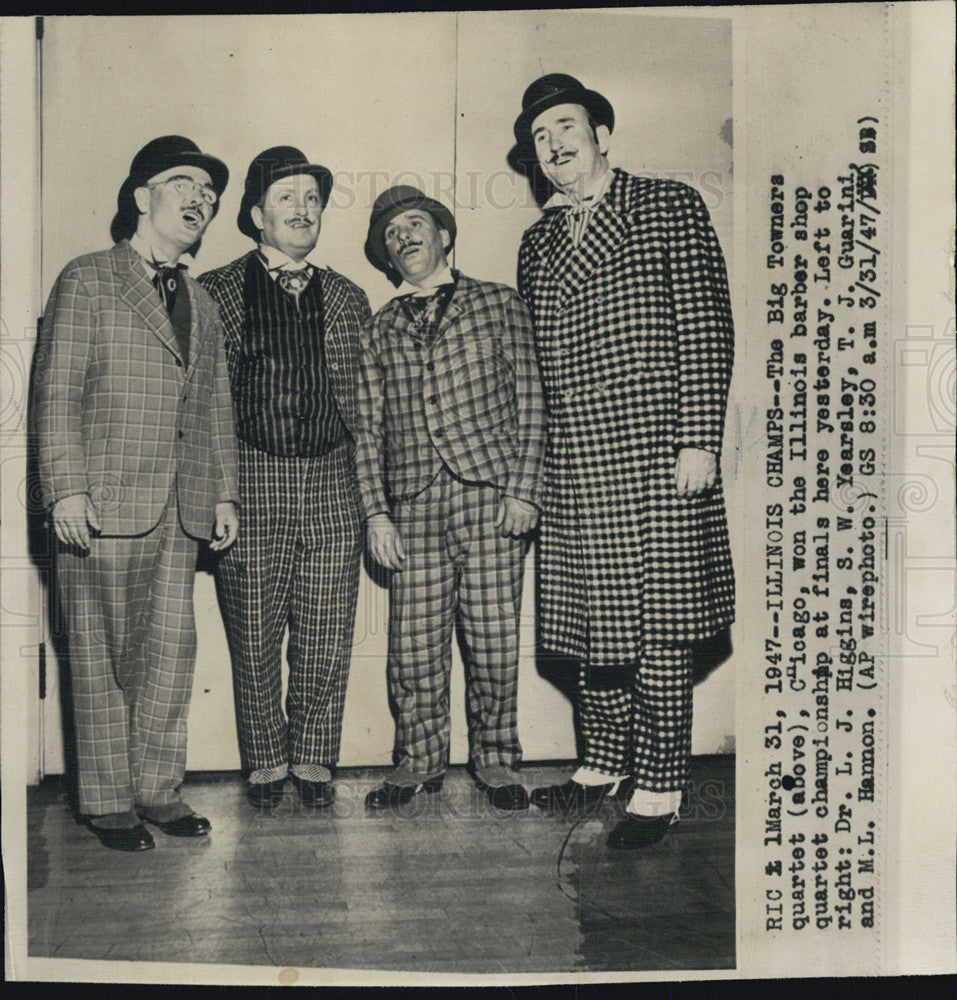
<point x="118" y="415"/>
<point x="635" y="346"/>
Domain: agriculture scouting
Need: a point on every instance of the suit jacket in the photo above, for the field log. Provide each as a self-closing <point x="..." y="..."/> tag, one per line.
<point x="470" y="397"/>
<point x="345" y="309"/>
<point x="635" y="343"/>
<point x="118" y="414"/>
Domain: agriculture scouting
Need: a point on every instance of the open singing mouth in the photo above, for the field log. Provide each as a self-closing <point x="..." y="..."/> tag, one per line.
<point x="192" y="218"/>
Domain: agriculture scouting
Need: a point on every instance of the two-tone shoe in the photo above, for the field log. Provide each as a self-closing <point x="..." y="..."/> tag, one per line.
<point x="573" y="798"/>
<point x="190" y="825"/>
<point x="314" y="794"/>
<point x="265" y="794"/>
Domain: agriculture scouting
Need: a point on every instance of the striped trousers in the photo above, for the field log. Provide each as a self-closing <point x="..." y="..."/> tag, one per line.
<point x="128" y="603"/>
<point x="641" y="729"/>
<point x="457" y="566"/>
<point x="294" y="567"/>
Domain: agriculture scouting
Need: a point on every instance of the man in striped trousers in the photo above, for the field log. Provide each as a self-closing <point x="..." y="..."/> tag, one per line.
<point x="292" y="346"/>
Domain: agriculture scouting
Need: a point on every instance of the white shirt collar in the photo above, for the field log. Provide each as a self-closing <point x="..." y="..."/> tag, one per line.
<point x="592" y="195"/>
<point x="146" y="251"/>
<point x="443" y="276"/>
<point x="275" y="258"/>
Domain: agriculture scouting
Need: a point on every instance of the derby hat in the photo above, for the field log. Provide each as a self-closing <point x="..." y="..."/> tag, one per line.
<point x="559" y="88"/>
<point x="273" y="165"/>
<point x="387" y="206"/>
<point x="156" y="156"/>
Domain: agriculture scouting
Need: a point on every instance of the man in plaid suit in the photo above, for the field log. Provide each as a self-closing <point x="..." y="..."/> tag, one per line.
<point x="137" y="459"/>
<point x="449" y="455"/>
<point x="292" y="345"/>
<point x="627" y="287"/>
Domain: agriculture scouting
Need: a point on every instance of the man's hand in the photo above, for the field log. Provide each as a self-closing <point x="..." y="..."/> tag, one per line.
<point x="227" y="527"/>
<point x="695" y="471"/>
<point x="516" y="517"/>
<point x="385" y="542"/>
<point x="73" y="517"/>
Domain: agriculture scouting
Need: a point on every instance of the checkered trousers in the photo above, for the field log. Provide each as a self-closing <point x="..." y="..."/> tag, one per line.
<point x="132" y="648"/>
<point x="644" y="728"/>
<point x="296" y="565"/>
<point x="457" y="564"/>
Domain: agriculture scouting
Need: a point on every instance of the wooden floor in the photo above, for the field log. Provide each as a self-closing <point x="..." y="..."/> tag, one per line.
<point x="448" y="884"/>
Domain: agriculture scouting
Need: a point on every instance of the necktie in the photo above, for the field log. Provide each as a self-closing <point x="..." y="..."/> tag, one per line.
<point x="294" y="282"/>
<point x="578" y="217"/>
<point x="166" y="281"/>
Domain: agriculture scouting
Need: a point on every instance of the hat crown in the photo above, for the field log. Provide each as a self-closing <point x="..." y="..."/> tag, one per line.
<point x="157" y="155"/>
<point x="549" y="86"/>
<point x="400" y="194"/>
<point x="271" y="160"/>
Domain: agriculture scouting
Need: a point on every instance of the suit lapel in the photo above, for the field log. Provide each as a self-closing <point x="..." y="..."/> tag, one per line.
<point x="138" y="292"/>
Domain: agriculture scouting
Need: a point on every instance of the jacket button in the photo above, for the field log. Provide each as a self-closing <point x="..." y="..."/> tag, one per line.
<point x="430" y="366"/>
<point x="440" y="433"/>
<point x="179" y="364"/>
<point x="179" y="434"/>
<point x="433" y="400"/>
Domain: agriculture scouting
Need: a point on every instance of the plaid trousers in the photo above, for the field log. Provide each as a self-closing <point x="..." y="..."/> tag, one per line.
<point x="132" y="648"/>
<point x="457" y="563"/>
<point x="643" y="729"/>
<point x="295" y="564"/>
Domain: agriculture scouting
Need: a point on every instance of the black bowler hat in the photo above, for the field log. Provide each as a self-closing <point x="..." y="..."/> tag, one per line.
<point x="559" y="88"/>
<point x="161" y="154"/>
<point x="273" y="165"/>
<point x="387" y="206"/>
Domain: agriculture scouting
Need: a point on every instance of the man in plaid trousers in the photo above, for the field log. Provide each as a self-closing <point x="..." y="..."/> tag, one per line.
<point x="449" y="454"/>
<point x="292" y="343"/>
<point x="137" y="459"/>
<point x="627" y="287"/>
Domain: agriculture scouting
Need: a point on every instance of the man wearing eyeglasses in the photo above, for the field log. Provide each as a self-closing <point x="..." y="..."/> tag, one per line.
<point x="292" y="343"/>
<point x="137" y="457"/>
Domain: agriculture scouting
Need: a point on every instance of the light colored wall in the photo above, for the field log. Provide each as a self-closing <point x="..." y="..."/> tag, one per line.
<point x="378" y="99"/>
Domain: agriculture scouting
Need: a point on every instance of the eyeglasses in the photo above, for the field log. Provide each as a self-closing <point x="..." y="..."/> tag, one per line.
<point x="186" y="186"/>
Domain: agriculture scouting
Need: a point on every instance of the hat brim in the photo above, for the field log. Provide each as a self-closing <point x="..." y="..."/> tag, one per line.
<point x="323" y="178"/>
<point x="597" y="106"/>
<point x="375" y="250"/>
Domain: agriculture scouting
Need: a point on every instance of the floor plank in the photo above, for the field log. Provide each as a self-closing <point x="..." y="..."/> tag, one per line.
<point x="447" y="884"/>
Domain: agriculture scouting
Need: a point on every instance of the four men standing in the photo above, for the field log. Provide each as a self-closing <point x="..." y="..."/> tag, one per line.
<point x="437" y="398"/>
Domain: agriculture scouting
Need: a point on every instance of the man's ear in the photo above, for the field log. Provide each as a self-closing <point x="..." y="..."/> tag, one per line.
<point x="141" y="196"/>
<point x="603" y="136"/>
<point x="446" y="239"/>
<point x="256" y="214"/>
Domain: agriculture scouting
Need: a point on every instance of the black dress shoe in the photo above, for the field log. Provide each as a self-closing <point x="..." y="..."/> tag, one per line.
<point x="507" y="797"/>
<point x="186" y="826"/>
<point x="130" y="838"/>
<point x="571" y="797"/>
<point x="639" y="831"/>
<point x="265" y="794"/>
<point x="315" y="794"/>
<point x="389" y="796"/>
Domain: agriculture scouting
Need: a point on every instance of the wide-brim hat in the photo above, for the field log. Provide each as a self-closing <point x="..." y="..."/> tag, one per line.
<point x="156" y="156"/>
<point x="387" y="206"/>
<point x="552" y="89"/>
<point x="272" y="165"/>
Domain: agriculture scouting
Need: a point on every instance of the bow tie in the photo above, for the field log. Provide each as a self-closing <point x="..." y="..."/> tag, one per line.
<point x="293" y="281"/>
<point x="166" y="282"/>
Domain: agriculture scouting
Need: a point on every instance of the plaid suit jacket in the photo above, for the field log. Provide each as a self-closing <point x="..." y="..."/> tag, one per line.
<point x="345" y="309"/>
<point x="635" y="342"/>
<point x="117" y="414"/>
<point x="470" y="397"/>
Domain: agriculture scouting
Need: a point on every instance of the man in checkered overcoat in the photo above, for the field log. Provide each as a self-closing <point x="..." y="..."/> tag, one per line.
<point x="449" y="453"/>
<point x="292" y="343"/>
<point x="137" y="459"/>
<point x="627" y="288"/>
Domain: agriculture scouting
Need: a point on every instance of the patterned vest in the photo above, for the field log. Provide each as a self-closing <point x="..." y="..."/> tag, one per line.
<point x="282" y="394"/>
